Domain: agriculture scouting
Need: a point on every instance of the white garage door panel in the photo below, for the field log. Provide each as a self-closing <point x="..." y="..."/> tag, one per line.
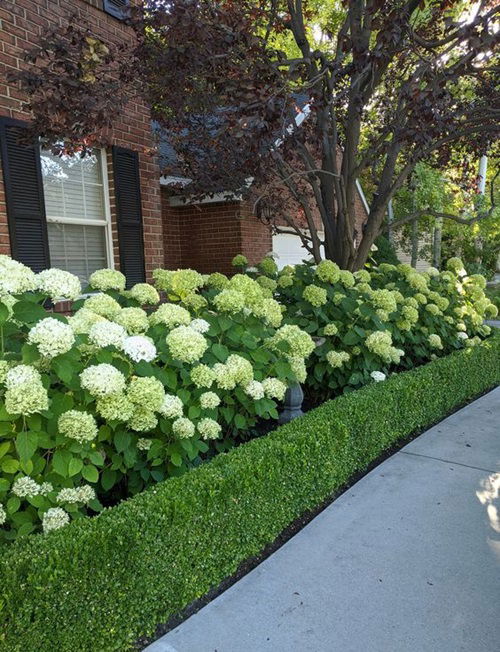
<point x="288" y="247"/>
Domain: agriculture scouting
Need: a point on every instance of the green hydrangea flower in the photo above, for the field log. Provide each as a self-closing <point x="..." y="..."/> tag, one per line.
<point x="107" y="279"/>
<point x="328" y="271"/>
<point x="239" y="261"/>
<point x="315" y="295"/>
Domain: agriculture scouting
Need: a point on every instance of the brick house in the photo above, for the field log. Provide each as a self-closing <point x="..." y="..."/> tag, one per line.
<point x="111" y="209"/>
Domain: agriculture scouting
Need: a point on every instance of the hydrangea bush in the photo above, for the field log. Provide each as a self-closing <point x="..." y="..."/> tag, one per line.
<point x="128" y="391"/>
<point x="373" y="322"/>
<point x="140" y="384"/>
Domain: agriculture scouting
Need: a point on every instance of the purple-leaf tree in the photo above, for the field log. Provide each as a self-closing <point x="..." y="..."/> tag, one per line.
<point x="387" y="84"/>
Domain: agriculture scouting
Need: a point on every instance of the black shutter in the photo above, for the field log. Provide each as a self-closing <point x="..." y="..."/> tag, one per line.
<point x="117" y="8"/>
<point x="24" y="197"/>
<point x="129" y="214"/>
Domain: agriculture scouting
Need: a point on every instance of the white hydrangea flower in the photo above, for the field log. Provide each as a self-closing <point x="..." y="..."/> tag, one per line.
<point x="107" y="333"/>
<point x="170" y="315"/>
<point x="25" y="487"/>
<point x="86" y="493"/>
<point x="462" y="336"/>
<point x="83" y="494"/>
<point x="183" y="428"/>
<point x="337" y="359"/>
<point x="138" y="348"/>
<point x="185" y="344"/>
<point x="102" y="380"/>
<point x="3" y="515"/>
<point x="115" y="407"/>
<point x="378" y="376"/>
<point x="107" y="279"/>
<point x="22" y="375"/>
<point x="209" y="400"/>
<point x="209" y="429"/>
<point x="54" y="518"/>
<point x="133" y="320"/>
<point x="144" y="444"/>
<point x="15" y="278"/>
<point x="83" y="319"/>
<point x="172" y="407"/>
<point x="199" y="325"/>
<point x="59" y="284"/>
<point x="147" y="392"/>
<point x="143" y="419"/>
<point x="77" y="425"/>
<point x="144" y="293"/>
<point x="255" y="390"/>
<point x="67" y="495"/>
<point x="52" y="337"/>
<point x="274" y="388"/>
<point x="103" y="305"/>
<point x="25" y="392"/>
<point x="435" y="341"/>
<point x="46" y="488"/>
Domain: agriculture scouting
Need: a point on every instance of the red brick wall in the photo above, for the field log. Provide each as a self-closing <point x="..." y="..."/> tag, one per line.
<point x="206" y="237"/>
<point x="21" y="24"/>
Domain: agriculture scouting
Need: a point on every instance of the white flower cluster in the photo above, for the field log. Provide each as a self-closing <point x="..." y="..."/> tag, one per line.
<point x="115" y="407"/>
<point x="144" y="444"/>
<point x="138" y="348"/>
<point x="337" y="359"/>
<point x="209" y="429"/>
<point x="254" y="389"/>
<point x="186" y="344"/>
<point x="172" y="407"/>
<point x="102" y="380"/>
<point x="107" y="279"/>
<point x="59" y="284"/>
<point x="83" y="494"/>
<point x="274" y="388"/>
<point x="82" y="321"/>
<point x="183" y="428"/>
<point x="170" y="315"/>
<point x="77" y="425"/>
<point x="52" y="337"/>
<point x="107" y="333"/>
<point x="133" y="320"/>
<point x="54" y="518"/>
<point x="15" y="278"/>
<point x="25" y="487"/>
<point x="199" y="325"/>
<point x="145" y="294"/>
<point x="209" y="400"/>
<point x="103" y="304"/>
<point x="378" y="376"/>
<point x="25" y="392"/>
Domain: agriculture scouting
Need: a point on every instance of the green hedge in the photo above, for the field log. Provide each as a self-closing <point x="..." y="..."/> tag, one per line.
<point x="99" y="584"/>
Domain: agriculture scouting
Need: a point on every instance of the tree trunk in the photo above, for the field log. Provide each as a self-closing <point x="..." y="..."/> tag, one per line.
<point x="414" y="243"/>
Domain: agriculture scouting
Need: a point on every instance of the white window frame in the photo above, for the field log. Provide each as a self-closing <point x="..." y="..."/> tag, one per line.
<point x="106" y="223"/>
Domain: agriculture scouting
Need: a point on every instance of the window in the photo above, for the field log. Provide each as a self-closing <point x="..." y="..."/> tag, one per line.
<point x="116" y="8"/>
<point x="77" y="210"/>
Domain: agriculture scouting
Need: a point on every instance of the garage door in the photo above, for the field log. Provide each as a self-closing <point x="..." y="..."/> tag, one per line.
<point x="289" y="250"/>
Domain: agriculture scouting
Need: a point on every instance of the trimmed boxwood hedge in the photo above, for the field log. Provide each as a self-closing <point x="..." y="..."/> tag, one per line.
<point x="98" y="584"/>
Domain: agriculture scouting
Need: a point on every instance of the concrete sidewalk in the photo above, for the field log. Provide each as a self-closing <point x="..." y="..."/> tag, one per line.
<point x="406" y="560"/>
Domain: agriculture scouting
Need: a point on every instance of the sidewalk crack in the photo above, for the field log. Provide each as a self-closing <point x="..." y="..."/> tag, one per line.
<point x="440" y="459"/>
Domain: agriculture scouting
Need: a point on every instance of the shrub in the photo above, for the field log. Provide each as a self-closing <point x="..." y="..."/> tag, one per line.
<point x="98" y="406"/>
<point x="378" y="321"/>
<point x="100" y="583"/>
<point x="385" y="252"/>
